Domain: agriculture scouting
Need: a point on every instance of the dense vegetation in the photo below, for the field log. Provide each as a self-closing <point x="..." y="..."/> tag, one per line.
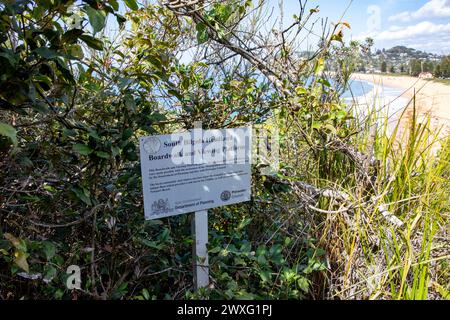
<point x="350" y="213"/>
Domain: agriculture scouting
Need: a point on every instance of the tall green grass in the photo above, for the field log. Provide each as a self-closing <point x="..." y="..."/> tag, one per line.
<point x="379" y="260"/>
<point x="390" y="239"/>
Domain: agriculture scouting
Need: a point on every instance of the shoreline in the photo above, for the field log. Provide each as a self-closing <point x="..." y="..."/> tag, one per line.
<point x="432" y="99"/>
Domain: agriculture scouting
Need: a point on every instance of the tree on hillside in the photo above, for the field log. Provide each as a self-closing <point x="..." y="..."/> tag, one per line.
<point x="415" y="67"/>
<point x="437" y="71"/>
<point x="445" y="67"/>
<point x="384" y="67"/>
<point x="427" y="66"/>
<point x="392" y="69"/>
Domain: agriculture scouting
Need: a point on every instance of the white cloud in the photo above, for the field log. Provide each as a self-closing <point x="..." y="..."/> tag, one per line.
<point x="410" y="32"/>
<point x="432" y="9"/>
<point x="425" y="35"/>
<point x="425" y="28"/>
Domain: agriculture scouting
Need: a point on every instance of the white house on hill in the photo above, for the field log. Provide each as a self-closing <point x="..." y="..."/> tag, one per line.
<point x="426" y="75"/>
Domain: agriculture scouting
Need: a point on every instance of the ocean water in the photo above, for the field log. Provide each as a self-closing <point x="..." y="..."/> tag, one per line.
<point x="358" y="89"/>
<point x="364" y="97"/>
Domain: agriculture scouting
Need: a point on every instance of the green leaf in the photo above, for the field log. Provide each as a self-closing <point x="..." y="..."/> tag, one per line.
<point x="71" y="36"/>
<point x="337" y="37"/>
<point x="262" y="260"/>
<point x="330" y="128"/>
<point x="10" y="56"/>
<point x="303" y="284"/>
<point x="76" y="51"/>
<point x="202" y="33"/>
<point x="49" y="188"/>
<point x="94" y="134"/>
<point x="47" y="4"/>
<point x="83" y="195"/>
<point x="145" y="294"/>
<point x="19" y="244"/>
<point x="164" y="236"/>
<point x="265" y="276"/>
<point x="341" y="114"/>
<point x="245" y="222"/>
<point x="153" y="223"/>
<point x="96" y="18"/>
<point x="316" y="125"/>
<point x="120" y="19"/>
<point x="82" y="149"/>
<point x="115" y="151"/>
<point x="324" y="82"/>
<point x="92" y="42"/>
<point x="445" y="294"/>
<point x="129" y="102"/>
<point x="65" y="72"/>
<point x="120" y="291"/>
<point x="49" y="250"/>
<point x="175" y="93"/>
<point x="9" y="132"/>
<point x="224" y="12"/>
<point x="46" y="53"/>
<point x="20" y="259"/>
<point x="127" y="133"/>
<point x="114" y="4"/>
<point x="102" y="154"/>
<point x="320" y="66"/>
<point x="43" y="78"/>
<point x="185" y="83"/>
<point x="301" y="90"/>
<point x="50" y="272"/>
<point x="131" y="4"/>
<point x="152" y="244"/>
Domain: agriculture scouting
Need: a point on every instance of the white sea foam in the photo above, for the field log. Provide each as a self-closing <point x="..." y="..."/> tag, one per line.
<point x="387" y="102"/>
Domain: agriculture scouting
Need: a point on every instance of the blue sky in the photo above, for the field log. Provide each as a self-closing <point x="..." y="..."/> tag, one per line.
<point x="421" y="24"/>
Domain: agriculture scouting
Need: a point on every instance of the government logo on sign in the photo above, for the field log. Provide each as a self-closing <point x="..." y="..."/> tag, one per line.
<point x="152" y="145"/>
<point x="160" y="206"/>
<point x="225" y="195"/>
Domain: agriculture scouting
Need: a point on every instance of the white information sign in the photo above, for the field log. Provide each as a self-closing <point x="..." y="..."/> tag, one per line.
<point x="195" y="170"/>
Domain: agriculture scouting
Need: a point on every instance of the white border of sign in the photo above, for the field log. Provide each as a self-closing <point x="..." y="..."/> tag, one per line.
<point x="195" y="170"/>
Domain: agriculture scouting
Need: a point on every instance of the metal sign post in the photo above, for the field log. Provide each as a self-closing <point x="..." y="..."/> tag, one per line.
<point x="200" y="250"/>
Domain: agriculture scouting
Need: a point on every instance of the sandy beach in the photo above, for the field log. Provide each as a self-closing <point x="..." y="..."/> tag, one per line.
<point x="432" y="98"/>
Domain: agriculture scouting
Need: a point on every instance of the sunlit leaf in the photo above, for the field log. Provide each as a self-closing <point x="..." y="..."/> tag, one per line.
<point x="9" y="132"/>
<point x="19" y="244"/>
<point x="131" y="4"/>
<point x="82" y="149"/>
<point x="96" y="18"/>
<point x="320" y="66"/>
<point x="102" y="154"/>
<point x="20" y="259"/>
<point x="202" y="33"/>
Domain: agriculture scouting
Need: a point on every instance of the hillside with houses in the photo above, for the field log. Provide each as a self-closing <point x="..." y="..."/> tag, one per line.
<point x="403" y="60"/>
<point x="361" y="57"/>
